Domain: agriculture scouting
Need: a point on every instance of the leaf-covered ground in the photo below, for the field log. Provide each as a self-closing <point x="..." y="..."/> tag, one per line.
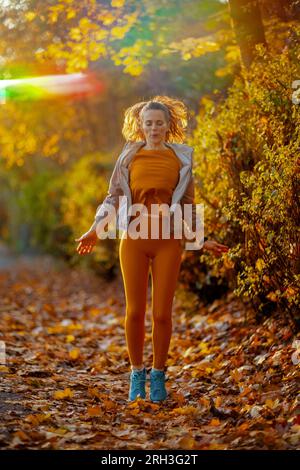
<point x="232" y="383"/>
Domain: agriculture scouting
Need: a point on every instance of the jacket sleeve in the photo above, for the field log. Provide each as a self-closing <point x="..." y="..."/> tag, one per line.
<point x="112" y="198"/>
<point x="189" y="196"/>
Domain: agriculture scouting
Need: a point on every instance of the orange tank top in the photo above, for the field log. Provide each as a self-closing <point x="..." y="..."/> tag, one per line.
<point x="153" y="176"/>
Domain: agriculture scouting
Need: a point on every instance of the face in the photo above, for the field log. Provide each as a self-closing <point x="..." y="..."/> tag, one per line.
<point x="154" y="126"/>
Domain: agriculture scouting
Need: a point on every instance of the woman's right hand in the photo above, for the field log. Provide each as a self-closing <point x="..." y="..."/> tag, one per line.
<point x="87" y="241"/>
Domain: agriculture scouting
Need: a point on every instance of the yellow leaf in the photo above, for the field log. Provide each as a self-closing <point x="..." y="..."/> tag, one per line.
<point x="30" y="15"/>
<point x="37" y="419"/>
<point x="74" y="353"/>
<point x="100" y="34"/>
<point x="118" y="32"/>
<point x="203" y="347"/>
<point x="59" y="431"/>
<point x="106" y="18"/>
<point x="186" y="55"/>
<point x="75" y="34"/>
<point x="70" y="338"/>
<point x="53" y="17"/>
<point x="271" y="404"/>
<point x="184" y="410"/>
<point x="260" y="264"/>
<point x="61" y="394"/>
<point x="75" y="326"/>
<point x="117" y="3"/>
<point x="218" y="401"/>
<point x="71" y="14"/>
<point x="134" y="69"/>
<point x="188" y="351"/>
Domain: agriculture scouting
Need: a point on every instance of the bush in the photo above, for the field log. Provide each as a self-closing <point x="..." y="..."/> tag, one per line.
<point x="247" y="170"/>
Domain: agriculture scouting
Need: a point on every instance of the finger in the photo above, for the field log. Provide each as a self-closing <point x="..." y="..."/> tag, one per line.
<point x="223" y="248"/>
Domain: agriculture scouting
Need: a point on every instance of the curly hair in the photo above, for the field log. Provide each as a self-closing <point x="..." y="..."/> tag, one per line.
<point x="175" y="111"/>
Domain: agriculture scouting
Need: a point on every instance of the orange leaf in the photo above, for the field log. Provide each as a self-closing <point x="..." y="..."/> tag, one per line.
<point x="21" y="435"/>
<point x="186" y="442"/>
<point x="94" y="411"/>
<point x="214" y="422"/>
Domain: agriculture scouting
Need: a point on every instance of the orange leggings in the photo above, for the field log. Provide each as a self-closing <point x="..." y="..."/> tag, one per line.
<point x="163" y="258"/>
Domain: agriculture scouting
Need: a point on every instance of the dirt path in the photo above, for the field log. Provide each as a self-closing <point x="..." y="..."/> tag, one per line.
<point x="232" y="384"/>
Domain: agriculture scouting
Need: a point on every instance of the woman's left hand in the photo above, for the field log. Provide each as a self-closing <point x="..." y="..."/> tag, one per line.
<point x="215" y="248"/>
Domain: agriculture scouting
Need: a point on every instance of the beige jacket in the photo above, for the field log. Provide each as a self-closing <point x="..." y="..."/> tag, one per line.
<point x="119" y="188"/>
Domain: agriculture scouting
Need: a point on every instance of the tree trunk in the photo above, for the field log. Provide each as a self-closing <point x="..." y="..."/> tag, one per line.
<point x="248" y="27"/>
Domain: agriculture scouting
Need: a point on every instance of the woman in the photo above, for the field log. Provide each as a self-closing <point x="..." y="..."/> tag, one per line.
<point x="154" y="170"/>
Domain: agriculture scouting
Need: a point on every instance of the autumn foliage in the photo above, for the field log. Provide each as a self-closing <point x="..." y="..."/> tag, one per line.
<point x="248" y="173"/>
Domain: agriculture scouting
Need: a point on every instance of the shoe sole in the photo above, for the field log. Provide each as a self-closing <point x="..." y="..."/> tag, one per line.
<point x="158" y="401"/>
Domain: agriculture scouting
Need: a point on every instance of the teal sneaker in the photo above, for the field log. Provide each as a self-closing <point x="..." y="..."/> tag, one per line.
<point x="158" y="390"/>
<point x="137" y="384"/>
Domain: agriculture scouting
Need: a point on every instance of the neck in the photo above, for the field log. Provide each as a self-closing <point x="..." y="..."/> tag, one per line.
<point x="154" y="146"/>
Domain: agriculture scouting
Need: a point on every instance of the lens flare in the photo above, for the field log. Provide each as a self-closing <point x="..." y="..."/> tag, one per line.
<point x="75" y="85"/>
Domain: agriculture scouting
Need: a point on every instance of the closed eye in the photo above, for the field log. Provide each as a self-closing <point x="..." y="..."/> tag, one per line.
<point x="158" y="122"/>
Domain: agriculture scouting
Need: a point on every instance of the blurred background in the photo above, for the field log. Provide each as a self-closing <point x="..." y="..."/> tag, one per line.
<point x="235" y="65"/>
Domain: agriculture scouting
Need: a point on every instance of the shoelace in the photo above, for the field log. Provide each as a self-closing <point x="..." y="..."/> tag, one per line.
<point x="138" y="375"/>
<point x="158" y="379"/>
